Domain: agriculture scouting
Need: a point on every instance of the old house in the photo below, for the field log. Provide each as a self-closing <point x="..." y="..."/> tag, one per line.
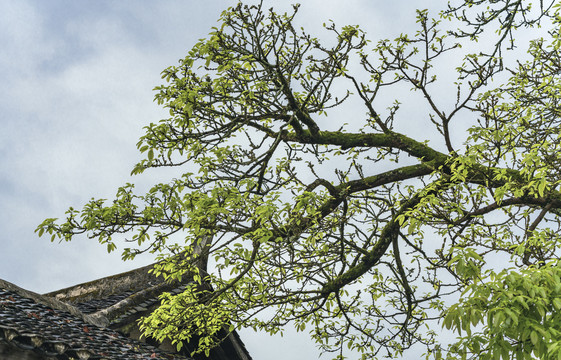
<point x="93" y="320"/>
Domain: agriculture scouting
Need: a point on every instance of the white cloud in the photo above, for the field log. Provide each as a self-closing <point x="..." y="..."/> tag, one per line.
<point x="22" y="37"/>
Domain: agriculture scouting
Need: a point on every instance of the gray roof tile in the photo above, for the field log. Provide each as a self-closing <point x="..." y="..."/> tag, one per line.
<point x="29" y="323"/>
<point x="50" y="332"/>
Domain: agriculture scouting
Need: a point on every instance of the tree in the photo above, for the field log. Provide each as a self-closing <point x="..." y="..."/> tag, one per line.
<point x="306" y="213"/>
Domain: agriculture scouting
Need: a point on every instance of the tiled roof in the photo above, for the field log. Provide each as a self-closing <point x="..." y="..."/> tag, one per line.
<point x="51" y="329"/>
<point x="96" y="320"/>
<point x="118" y="301"/>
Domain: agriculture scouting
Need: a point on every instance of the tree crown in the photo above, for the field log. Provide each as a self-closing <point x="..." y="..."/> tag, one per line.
<point x="295" y="207"/>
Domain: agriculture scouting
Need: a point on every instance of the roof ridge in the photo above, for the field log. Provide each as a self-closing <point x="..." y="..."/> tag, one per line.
<point x="106" y="315"/>
<point x="91" y="289"/>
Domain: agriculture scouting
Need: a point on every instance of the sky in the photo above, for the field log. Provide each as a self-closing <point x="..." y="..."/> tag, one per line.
<point x="76" y="90"/>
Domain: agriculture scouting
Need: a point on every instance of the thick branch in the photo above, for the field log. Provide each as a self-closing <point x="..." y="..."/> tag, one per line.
<point x="351" y="140"/>
<point x="345" y="189"/>
<point x="370" y="259"/>
<point x="479" y="174"/>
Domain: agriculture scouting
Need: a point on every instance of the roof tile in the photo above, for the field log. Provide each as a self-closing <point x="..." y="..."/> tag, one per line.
<point x="30" y="325"/>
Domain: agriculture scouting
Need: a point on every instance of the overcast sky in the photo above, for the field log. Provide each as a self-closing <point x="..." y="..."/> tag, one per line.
<point x="76" y="90"/>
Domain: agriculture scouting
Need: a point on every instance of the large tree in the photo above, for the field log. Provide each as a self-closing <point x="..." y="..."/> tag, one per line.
<point x="301" y="201"/>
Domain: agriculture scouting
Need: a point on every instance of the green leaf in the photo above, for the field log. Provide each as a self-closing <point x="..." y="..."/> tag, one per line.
<point x="557" y="303"/>
<point x="534" y="337"/>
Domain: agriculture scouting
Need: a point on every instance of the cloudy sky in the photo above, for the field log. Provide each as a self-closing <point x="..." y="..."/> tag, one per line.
<point x="76" y="90"/>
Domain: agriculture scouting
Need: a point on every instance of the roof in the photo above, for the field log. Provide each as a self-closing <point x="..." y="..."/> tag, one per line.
<point x="95" y="320"/>
<point x="33" y="326"/>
